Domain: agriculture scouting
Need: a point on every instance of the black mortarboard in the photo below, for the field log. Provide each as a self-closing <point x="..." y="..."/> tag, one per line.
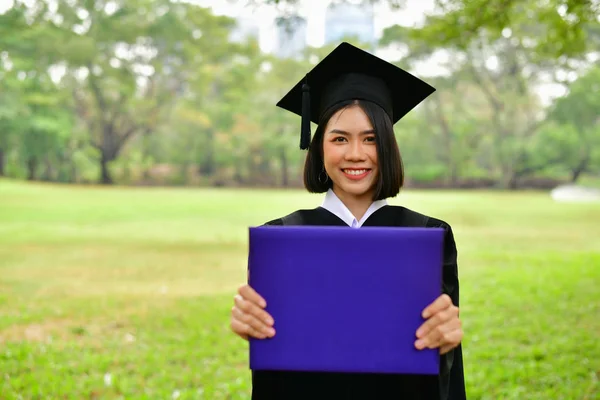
<point x="349" y="73"/>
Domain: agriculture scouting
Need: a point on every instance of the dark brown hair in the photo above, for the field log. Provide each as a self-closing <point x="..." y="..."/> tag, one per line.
<point x="391" y="169"/>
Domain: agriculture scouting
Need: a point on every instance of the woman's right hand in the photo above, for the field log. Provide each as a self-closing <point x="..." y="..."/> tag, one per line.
<point x="248" y="317"/>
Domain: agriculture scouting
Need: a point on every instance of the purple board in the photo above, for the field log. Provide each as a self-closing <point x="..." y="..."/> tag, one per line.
<point x="345" y="300"/>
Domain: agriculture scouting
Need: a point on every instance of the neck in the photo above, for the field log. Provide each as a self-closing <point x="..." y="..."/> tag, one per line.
<point x="358" y="205"/>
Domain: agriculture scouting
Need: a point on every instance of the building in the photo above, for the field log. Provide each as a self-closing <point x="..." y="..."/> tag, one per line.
<point x="344" y="19"/>
<point x="291" y="37"/>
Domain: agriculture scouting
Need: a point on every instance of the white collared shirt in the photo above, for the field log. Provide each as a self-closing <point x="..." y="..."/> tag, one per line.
<point x="333" y="204"/>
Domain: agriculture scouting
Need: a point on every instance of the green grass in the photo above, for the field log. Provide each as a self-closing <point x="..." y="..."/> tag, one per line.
<point x="114" y="293"/>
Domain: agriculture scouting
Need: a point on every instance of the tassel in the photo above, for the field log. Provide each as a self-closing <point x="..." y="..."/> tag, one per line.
<point x="305" y="128"/>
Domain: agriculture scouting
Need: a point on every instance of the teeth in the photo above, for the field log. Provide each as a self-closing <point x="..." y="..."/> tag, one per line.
<point x="355" y="171"/>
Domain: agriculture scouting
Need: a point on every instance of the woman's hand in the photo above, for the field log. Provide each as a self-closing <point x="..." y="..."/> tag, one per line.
<point x="442" y="328"/>
<point x="248" y="317"/>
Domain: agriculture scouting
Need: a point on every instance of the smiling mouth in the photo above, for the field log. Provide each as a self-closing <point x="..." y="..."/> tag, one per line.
<point x="356" y="173"/>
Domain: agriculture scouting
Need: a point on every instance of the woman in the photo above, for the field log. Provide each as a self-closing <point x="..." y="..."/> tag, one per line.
<point x="354" y="159"/>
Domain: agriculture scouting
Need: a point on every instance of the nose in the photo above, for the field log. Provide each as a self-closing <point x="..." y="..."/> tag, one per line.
<point x="355" y="151"/>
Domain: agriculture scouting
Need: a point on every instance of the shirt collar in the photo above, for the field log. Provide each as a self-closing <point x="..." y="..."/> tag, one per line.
<point x="333" y="204"/>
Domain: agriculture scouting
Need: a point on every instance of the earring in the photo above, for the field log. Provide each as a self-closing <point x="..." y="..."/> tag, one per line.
<point x="323" y="181"/>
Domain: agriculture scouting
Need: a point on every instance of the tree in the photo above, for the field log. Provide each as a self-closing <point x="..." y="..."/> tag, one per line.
<point x="34" y="122"/>
<point x="555" y="28"/>
<point x="500" y="92"/>
<point x="567" y="29"/>
<point x="125" y="72"/>
<point x="577" y="136"/>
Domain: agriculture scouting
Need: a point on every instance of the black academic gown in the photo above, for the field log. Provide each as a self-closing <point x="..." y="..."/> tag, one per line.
<point x="448" y="385"/>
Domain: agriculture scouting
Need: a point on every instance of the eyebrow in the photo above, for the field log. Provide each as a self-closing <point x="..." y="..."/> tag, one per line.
<point x="341" y="132"/>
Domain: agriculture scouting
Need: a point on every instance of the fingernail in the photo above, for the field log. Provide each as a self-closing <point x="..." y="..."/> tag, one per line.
<point x="419" y="344"/>
<point x="419" y="333"/>
<point x="271" y="332"/>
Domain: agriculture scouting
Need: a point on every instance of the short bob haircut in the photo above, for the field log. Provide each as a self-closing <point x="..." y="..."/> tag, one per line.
<point x="390" y="165"/>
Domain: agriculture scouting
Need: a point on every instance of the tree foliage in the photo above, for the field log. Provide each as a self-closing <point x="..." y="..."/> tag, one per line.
<point x="155" y="91"/>
<point x="557" y="28"/>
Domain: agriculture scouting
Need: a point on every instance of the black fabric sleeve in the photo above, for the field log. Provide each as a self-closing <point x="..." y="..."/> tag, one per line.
<point x="451" y="363"/>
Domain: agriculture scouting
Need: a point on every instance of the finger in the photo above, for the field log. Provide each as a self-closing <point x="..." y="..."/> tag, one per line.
<point x="253" y="322"/>
<point x="250" y="294"/>
<point x="441" y="303"/>
<point x="248" y="325"/>
<point x="249" y="308"/>
<point x="239" y="329"/>
<point x="453" y="333"/>
<point x="437" y="319"/>
<point x="448" y="348"/>
<point x="440" y="335"/>
<point x="452" y="339"/>
<point x="447" y="334"/>
<point x="245" y="330"/>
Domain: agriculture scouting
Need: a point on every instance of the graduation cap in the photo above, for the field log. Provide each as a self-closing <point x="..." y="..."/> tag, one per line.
<point x="349" y="73"/>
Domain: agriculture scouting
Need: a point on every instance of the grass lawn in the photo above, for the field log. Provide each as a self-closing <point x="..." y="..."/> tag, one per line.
<point x="113" y="293"/>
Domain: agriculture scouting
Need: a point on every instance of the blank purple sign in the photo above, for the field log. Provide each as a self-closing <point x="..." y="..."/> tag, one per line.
<point x="345" y="300"/>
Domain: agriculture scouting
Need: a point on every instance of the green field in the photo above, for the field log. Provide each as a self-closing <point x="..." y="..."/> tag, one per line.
<point x="115" y="293"/>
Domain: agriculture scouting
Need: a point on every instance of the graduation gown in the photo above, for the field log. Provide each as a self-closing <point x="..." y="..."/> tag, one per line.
<point x="448" y="385"/>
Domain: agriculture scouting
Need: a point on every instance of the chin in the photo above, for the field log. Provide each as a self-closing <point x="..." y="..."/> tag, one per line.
<point x="357" y="191"/>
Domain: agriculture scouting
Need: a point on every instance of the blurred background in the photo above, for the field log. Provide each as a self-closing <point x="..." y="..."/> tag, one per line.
<point x="140" y="138"/>
<point x="151" y="92"/>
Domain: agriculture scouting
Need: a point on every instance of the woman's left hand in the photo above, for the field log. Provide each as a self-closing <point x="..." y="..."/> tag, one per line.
<point x="442" y="328"/>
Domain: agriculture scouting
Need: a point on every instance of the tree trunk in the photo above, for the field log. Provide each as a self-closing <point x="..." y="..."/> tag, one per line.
<point x="237" y="171"/>
<point x="284" y="168"/>
<point x="48" y="173"/>
<point x="582" y="166"/>
<point x="105" y="178"/>
<point x="207" y="165"/>
<point x="31" y="168"/>
<point x="448" y="157"/>
<point x="73" y="167"/>
<point x="2" y="161"/>
<point x="146" y="177"/>
<point x="577" y="171"/>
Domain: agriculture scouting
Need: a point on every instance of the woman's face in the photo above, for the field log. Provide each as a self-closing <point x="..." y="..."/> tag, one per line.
<point x="350" y="153"/>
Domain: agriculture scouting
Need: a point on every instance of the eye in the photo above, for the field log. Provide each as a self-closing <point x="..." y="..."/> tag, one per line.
<point x="370" y="138"/>
<point x="339" y="139"/>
